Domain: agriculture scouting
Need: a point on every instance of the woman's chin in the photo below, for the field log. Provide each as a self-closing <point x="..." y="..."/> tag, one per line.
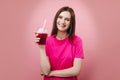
<point x="62" y="29"/>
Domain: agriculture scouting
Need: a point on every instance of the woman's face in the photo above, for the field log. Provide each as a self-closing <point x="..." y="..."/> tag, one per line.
<point x="63" y="21"/>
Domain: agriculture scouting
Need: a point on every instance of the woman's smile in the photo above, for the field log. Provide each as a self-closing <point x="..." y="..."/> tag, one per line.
<point x="63" y="21"/>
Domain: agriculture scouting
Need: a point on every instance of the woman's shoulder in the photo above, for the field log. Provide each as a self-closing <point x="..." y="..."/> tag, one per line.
<point x="77" y="39"/>
<point x="49" y="38"/>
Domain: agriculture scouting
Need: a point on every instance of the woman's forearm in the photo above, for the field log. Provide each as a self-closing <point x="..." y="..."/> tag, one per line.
<point x="65" y="73"/>
<point x="69" y="72"/>
<point x="44" y="62"/>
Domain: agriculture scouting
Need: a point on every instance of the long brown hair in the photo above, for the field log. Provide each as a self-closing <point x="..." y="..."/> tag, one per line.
<point x="71" y="30"/>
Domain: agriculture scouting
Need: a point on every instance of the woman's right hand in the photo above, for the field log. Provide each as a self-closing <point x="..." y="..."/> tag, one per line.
<point x="37" y="39"/>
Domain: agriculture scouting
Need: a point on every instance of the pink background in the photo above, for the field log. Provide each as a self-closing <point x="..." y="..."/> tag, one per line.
<point x="98" y="24"/>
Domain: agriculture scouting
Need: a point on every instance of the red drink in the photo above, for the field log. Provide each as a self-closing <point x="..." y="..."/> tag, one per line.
<point x="42" y="34"/>
<point x="42" y="37"/>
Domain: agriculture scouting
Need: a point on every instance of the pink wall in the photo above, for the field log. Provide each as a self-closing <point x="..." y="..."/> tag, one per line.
<point x="97" y="24"/>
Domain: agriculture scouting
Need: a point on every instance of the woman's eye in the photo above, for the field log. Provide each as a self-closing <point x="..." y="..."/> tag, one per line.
<point x="59" y="16"/>
<point x="67" y="19"/>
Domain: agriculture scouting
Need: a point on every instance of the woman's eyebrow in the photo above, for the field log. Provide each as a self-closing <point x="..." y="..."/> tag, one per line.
<point x="60" y="15"/>
<point x="65" y="17"/>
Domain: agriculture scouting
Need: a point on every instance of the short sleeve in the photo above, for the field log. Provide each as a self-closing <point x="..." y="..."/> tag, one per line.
<point x="79" y="49"/>
<point x="47" y="47"/>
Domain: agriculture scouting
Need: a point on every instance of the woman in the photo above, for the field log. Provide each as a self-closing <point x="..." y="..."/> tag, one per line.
<point x="61" y="57"/>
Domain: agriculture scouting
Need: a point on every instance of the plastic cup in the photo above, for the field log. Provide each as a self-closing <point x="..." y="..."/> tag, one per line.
<point x="43" y="37"/>
<point x="42" y="34"/>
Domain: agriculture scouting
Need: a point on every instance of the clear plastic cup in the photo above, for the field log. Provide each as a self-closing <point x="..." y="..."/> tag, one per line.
<point x="42" y="34"/>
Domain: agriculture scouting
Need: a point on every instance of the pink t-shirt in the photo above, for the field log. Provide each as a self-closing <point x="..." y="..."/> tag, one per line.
<point x="61" y="54"/>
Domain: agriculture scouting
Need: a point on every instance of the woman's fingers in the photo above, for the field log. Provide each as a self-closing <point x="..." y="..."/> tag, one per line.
<point x="36" y="34"/>
<point x="37" y="39"/>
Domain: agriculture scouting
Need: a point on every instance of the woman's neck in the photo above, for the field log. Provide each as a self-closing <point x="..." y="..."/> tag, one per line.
<point x="61" y="35"/>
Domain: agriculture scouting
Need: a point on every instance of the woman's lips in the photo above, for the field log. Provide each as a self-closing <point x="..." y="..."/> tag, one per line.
<point x="61" y="25"/>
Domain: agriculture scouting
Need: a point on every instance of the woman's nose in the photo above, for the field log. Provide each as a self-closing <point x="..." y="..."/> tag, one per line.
<point x="62" y="21"/>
